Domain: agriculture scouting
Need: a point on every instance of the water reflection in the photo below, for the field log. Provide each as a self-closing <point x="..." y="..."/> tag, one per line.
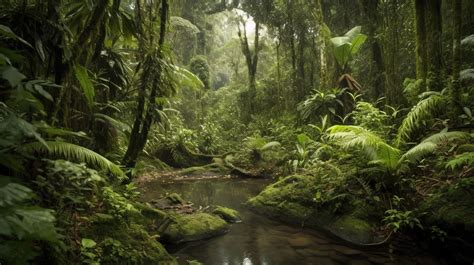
<point x="258" y="240"/>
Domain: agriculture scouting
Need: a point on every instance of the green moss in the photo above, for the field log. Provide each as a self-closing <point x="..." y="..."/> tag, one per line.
<point x="150" y="212"/>
<point x="128" y="243"/>
<point x="175" y="198"/>
<point x="229" y="215"/>
<point x="193" y="227"/>
<point x="352" y="229"/>
<point x="292" y="200"/>
<point x="194" y="170"/>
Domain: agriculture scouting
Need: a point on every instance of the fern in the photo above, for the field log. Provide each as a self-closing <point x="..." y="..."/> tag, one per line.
<point x="375" y="147"/>
<point x="430" y="145"/>
<point x="421" y="112"/>
<point x="418" y="151"/>
<point x="73" y="152"/>
<point x="461" y="160"/>
<point x="121" y="126"/>
<point x="447" y="136"/>
<point x="270" y="146"/>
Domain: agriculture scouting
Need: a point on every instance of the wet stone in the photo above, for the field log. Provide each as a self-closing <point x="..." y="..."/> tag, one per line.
<point x="300" y="242"/>
<point x="359" y="262"/>
<point x="346" y="250"/>
<point x="308" y="252"/>
<point x="379" y="260"/>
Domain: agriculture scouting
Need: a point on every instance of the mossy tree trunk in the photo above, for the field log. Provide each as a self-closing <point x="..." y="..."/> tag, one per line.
<point x="151" y="76"/>
<point x="434" y="45"/>
<point x="373" y="20"/>
<point x="421" y="55"/>
<point x="456" y="63"/>
<point x="251" y="58"/>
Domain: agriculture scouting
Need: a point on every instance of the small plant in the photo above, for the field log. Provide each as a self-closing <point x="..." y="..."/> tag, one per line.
<point x="437" y="233"/>
<point x="302" y="152"/>
<point x="119" y="206"/>
<point x="399" y="219"/>
<point x="89" y="252"/>
<point x="368" y="116"/>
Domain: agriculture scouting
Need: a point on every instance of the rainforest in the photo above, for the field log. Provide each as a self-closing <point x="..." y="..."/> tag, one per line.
<point x="272" y="132"/>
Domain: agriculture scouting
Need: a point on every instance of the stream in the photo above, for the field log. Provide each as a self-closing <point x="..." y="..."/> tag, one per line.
<point x="259" y="240"/>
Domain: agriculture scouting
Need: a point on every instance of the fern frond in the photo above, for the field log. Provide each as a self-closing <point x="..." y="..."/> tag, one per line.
<point x="73" y="152"/>
<point x="121" y="126"/>
<point x="430" y="145"/>
<point x="461" y="160"/>
<point x="424" y="110"/>
<point x="376" y="148"/>
<point x="447" y="136"/>
<point x="270" y="145"/>
<point x="419" y="151"/>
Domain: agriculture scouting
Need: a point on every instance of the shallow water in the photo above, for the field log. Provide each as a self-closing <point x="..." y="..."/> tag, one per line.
<point x="258" y="240"/>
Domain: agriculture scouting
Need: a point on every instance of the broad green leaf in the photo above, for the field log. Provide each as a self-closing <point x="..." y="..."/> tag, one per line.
<point x="40" y="49"/>
<point x="347" y="45"/>
<point x="185" y="78"/>
<point x="352" y="33"/>
<point x="88" y="243"/>
<point x="357" y="43"/>
<point x="12" y="75"/>
<point x="8" y="33"/>
<point x="86" y="84"/>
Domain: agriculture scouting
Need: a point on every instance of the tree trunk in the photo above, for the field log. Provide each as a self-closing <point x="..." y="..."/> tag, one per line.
<point x="252" y="61"/>
<point x="421" y="54"/>
<point x="456" y="63"/>
<point x="373" y="20"/>
<point x="141" y="126"/>
<point x="434" y="45"/>
<point x="321" y="32"/>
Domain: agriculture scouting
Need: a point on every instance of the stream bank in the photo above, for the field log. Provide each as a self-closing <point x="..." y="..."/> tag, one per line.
<point x="260" y="240"/>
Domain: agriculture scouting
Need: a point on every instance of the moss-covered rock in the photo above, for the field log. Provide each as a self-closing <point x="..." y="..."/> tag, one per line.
<point x="229" y="215"/>
<point x="352" y="229"/>
<point x="191" y="227"/>
<point x="294" y="200"/>
<point x="128" y="243"/>
<point x="169" y="200"/>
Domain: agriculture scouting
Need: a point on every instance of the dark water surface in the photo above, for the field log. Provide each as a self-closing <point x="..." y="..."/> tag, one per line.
<point x="258" y="240"/>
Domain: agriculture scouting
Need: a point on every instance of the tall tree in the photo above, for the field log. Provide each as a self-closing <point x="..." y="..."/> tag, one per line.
<point x="421" y="55"/>
<point x="322" y="34"/>
<point x="456" y="63"/>
<point x="251" y="58"/>
<point x="371" y="11"/>
<point x="434" y="45"/>
<point x="151" y="77"/>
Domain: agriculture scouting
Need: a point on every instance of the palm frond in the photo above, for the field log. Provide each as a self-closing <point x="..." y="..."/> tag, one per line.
<point x="119" y="125"/>
<point x="73" y="152"/>
<point x="423" y="111"/>
<point x="374" y="147"/>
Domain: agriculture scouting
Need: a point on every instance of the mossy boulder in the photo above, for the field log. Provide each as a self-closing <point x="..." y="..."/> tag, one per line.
<point x="128" y="243"/>
<point x="169" y="200"/>
<point x="229" y="215"/>
<point x="292" y="200"/>
<point x="352" y="229"/>
<point x="192" y="227"/>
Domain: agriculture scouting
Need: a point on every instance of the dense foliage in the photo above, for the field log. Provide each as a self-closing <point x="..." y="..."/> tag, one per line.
<point x="367" y="105"/>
